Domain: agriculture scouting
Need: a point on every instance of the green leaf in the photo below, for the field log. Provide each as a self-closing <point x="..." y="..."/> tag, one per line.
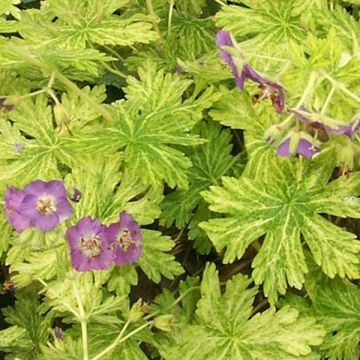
<point x="106" y="191"/>
<point x="29" y="322"/>
<point x="150" y="125"/>
<point x="100" y="337"/>
<point x="8" y="6"/>
<point x="282" y="206"/>
<point x="154" y="260"/>
<point x="224" y="328"/>
<point x="14" y="339"/>
<point x="210" y="161"/>
<point x="335" y="303"/>
<point x="262" y="26"/>
<point x="93" y="23"/>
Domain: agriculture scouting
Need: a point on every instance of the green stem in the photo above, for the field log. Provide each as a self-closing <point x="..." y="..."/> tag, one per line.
<point x="308" y="89"/>
<point x="34" y="93"/>
<point x="63" y="79"/>
<point x="83" y="323"/>
<point x="266" y="57"/>
<point x="171" y="9"/>
<point x="259" y="306"/>
<point x="115" y="53"/>
<point x="112" y="70"/>
<point x="340" y="86"/>
<point x="72" y="86"/>
<point x="327" y="101"/>
<point x="174" y="303"/>
<point x="53" y="96"/>
<point x="151" y="12"/>
<point x="121" y="339"/>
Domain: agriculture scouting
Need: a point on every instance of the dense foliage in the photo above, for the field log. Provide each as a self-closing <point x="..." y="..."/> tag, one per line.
<point x="180" y="179"/>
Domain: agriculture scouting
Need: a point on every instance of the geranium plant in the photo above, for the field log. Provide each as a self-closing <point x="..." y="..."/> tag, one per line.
<point x="180" y="179"/>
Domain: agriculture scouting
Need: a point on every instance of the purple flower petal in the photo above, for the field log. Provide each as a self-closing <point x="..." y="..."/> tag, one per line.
<point x="307" y="149"/>
<point x="181" y="70"/>
<point x="305" y="117"/>
<point x="304" y="147"/>
<point x="125" y="237"/>
<point x="223" y="38"/>
<point x="36" y="187"/>
<point x="46" y="223"/>
<point x="284" y="149"/>
<point x="13" y="200"/>
<point x="64" y="209"/>
<point x="89" y="247"/>
<point x="56" y="188"/>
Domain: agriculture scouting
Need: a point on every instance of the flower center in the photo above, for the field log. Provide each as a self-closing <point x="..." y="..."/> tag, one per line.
<point x="90" y="246"/>
<point x="46" y="205"/>
<point x="125" y="241"/>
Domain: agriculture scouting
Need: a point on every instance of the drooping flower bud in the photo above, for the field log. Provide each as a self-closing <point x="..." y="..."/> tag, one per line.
<point x="298" y="142"/>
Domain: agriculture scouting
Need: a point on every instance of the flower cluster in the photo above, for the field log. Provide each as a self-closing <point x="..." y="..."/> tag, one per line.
<point x="93" y="246"/>
<point x="303" y="131"/>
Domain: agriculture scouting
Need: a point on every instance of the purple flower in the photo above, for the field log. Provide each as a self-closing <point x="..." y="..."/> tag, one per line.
<point x="270" y="90"/>
<point x="90" y="249"/>
<point x="223" y="38"/>
<point x="125" y="237"/>
<point x="328" y="125"/>
<point x="302" y="145"/>
<point x="45" y="204"/>
<point x="13" y="200"/>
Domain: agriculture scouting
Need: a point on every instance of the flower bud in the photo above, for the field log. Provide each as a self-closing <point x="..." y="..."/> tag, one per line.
<point x="136" y="312"/>
<point x="164" y="322"/>
<point x="9" y="102"/>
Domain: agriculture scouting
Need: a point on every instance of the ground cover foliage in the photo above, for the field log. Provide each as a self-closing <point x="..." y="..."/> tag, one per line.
<point x="227" y="132"/>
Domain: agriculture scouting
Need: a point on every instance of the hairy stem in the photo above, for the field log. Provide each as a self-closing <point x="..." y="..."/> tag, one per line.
<point x="171" y="9"/>
<point x="83" y="322"/>
<point x="340" y="86"/>
<point x="327" y="101"/>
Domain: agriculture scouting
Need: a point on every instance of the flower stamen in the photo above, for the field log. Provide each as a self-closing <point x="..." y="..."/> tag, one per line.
<point x="46" y="205"/>
<point x="90" y="246"/>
